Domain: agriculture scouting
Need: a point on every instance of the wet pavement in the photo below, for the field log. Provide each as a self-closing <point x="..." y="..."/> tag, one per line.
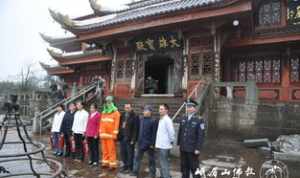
<point x="218" y="154"/>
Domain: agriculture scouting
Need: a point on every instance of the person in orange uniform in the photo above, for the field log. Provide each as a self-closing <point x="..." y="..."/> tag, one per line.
<point x="109" y="129"/>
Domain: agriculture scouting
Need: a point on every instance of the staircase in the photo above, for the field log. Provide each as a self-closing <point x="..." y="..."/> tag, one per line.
<point x="173" y="103"/>
<point x="176" y="104"/>
<point x="199" y="94"/>
<point x="86" y="94"/>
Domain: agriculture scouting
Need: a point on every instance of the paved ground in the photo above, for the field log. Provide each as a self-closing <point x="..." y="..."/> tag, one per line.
<point x="222" y="152"/>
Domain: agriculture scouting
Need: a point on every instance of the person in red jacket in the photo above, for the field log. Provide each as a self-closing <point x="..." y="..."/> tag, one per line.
<point x="92" y="133"/>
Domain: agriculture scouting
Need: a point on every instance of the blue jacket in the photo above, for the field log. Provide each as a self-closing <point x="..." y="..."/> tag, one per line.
<point x="191" y="134"/>
<point x="147" y="133"/>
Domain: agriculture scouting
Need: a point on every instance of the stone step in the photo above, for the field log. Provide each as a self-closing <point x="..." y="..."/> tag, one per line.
<point x="139" y="103"/>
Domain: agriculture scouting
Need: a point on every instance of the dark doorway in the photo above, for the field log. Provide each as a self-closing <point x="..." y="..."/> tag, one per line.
<point x="158" y="75"/>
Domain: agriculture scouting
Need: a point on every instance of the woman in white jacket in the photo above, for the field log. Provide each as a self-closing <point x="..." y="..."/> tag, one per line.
<point x="55" y="130"/>
<point x="78" y="129"/>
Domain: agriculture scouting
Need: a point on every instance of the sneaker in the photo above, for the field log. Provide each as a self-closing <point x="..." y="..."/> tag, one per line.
<point x="91" y="162"/>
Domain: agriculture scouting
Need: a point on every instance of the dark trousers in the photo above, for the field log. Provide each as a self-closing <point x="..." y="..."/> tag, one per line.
<point x="93" y="149"/>
<point x="79" y="146"/>
<point x="139" y="158"/>
<point x="127" y="154"/>
<point x="67" y="142"/>
<point x="55" y="142"/>
<point x="189" y="164"/>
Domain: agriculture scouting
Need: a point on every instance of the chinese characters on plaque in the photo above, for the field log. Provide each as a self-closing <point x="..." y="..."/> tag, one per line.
<point x="158" y="42"/>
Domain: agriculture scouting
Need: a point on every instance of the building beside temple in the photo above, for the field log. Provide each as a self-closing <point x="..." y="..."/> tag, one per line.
<point x="163" y="48"/>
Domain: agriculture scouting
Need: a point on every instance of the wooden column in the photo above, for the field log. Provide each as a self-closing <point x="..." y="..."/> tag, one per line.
<point x="113" y="69"/>
<point x="217" y="52"/>
<point x="133" y="79"/>
<point x="80" y="81"/>
<point x="185" y="65"/>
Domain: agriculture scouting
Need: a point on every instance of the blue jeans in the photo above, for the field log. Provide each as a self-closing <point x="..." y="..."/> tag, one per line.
<point x="163" y="156"/>
<point x="55" y="142"/>
<point x="127" y="154"/>
<point x="139" y="158"/>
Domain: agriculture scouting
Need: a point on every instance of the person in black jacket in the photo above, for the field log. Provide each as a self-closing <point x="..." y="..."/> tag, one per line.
<point x="146" y="141"/>
<point x="66" y="128"/>
<point x="127" y="136"/>
<point x="190" y="140"/>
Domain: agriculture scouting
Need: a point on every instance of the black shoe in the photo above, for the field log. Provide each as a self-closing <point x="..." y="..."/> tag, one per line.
<point x="133" y="174"/>
<point x="91" y="162"/>
<point x="123" y="169"/>
<point x="126" y="171"/>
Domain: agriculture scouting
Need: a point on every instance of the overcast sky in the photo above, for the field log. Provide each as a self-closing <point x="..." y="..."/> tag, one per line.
<point x="20" y="24"/>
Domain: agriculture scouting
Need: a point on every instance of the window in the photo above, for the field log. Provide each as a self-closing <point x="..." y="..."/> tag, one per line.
<point x="260" y="70"/>
<point x="196" y="64"/>
<point x="269" y="13"/>
<point x="294" y="67"/>
<point x="201" y="64"/>
<point x="124" y="69"/>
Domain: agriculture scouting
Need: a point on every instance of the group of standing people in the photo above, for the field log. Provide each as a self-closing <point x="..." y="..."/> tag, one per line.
<point x="136" y="134"/>
<point x="73" y="127"/>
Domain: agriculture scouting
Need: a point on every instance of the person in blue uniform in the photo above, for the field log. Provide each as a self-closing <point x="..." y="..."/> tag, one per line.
<point x="190" y="140"/>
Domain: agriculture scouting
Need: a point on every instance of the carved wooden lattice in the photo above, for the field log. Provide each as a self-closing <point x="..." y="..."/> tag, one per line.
<point x="201" y="64"/>
<point x="120" y="69"/>
<point x="259" y="71"/>
<point x="129" y="68"/>
<point x="208" y="63"/>
<point x="266" y="70"/>
<point x="269" y="13"/>
<point x="124" y="69"/>
<point x="294" y="66"/>
<point x="195" y="65"/>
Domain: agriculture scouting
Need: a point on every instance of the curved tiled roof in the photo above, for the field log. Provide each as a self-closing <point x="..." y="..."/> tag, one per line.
<point x="135" y="11"/>
<point x="53" y="40"/>
<point x="74" y="55"/>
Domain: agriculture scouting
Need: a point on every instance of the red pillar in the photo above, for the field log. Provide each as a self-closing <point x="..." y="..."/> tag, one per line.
<point x="285" y="82"/>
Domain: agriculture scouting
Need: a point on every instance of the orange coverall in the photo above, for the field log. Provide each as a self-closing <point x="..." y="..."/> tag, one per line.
<point x="108" y="130"/>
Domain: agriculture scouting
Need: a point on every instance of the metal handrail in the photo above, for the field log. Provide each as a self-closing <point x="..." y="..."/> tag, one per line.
<point x="66" y="99"/>
<point x="194" y="91"/>
<point x="45" y="114"/>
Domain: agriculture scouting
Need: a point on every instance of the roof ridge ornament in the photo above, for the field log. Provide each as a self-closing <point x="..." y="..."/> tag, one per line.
<point x="44" y="66"/>
<point x="99" y="9"/>
<point x="53" y="53"/>
<point x="64" y="20"/>
<point x="51" y="39"/>
<point x="46" y="37"/>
